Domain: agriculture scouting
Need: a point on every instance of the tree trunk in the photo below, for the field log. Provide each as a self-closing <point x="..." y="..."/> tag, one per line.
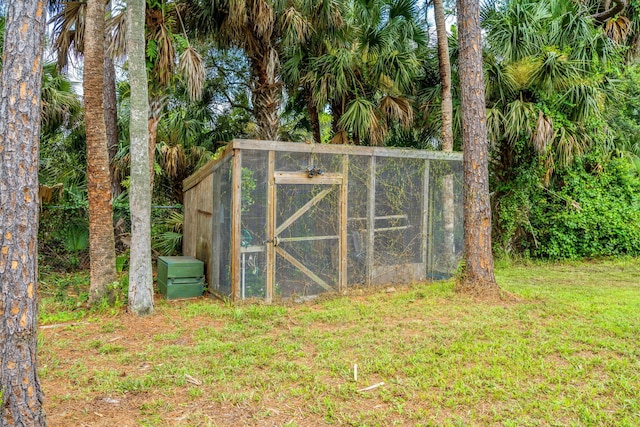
<point x="447" y="131"/>
<point x="478" y="277"/>
<point x="155" y="106"/>
<point x="266" y="93"/>
<point x="140" y="278"/>
<point x="314" y="117"/>
<point x="101" y="236"/>
<point x="20" y="85"/>
<point x="110" y="111"/>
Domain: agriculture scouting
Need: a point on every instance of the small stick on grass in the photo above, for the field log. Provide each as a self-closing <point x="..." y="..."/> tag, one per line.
<point x="371" y="387"/>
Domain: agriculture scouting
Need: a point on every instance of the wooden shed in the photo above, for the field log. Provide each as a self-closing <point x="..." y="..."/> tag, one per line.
<point x="280" y="219"/>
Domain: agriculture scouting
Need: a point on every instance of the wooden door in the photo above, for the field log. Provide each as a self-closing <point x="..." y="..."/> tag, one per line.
<point x="305" y="244"/>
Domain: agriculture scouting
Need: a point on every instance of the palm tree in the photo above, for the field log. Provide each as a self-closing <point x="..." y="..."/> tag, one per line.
<point x="69" y="23"/>
<point x="325" y="19"/>
<point x="546" y="80"/>
<point x="262" y="29"/>
<point x="101" y="234"/>
<point x="552" y="90"/>
<point x="22" y="396"/>
<point x="366" y="78"/>
<point x="61" y="107"/>
<point x="478" y="277"/>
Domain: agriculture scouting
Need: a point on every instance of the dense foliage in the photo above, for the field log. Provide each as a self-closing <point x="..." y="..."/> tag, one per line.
<point x="593" y="210"/>
<point x="563" y="110"/>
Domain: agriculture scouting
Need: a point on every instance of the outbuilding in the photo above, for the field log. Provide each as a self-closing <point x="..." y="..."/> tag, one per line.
<point x="280" y="219"/>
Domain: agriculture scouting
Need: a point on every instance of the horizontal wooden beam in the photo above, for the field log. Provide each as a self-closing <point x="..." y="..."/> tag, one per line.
<point x="293" y="178"/>
<point x="299" y="147"/>
<point x="206" y="170"/>
<point x="306" y="238"/>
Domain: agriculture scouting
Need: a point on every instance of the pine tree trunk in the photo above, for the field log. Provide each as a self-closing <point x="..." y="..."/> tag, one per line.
<point x="447" y="131"/>
<point x="140" y="278"/>
<point x="110" y="112"/>
<point x="101" y="235"/>
<point x="267" y="93"/>
<point x="20" y="85"/>
<point x="478" y="277"/>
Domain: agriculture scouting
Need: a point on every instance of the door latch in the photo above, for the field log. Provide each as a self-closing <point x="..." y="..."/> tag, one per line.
<point x="275" y="241"/>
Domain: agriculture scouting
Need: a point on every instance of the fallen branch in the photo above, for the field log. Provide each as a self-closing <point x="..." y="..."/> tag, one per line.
<point x="371" y="387"/>
<point x="62" y="325"/>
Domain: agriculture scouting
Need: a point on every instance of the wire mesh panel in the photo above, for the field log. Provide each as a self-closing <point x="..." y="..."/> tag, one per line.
<point x="253" y="210"/>
<point x="222" y="222"/>
<point x="358" y="207"/>
<point x="398" y="220"/>
<point x="445" y="241"/>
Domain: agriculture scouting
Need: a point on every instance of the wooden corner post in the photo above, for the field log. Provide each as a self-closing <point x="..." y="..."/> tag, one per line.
<point x="236" y="223"/>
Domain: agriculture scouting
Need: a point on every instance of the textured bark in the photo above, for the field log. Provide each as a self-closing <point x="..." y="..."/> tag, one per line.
<point x="140" y="279"/>
<point x="478" y="277"/>
<point x="155" y="106"/>
<point x="20" y="84"/>
<point x="110" y="111"/>
<point x="101" y="235"/>
<point x="314" y="116"/>
<point x="266" y="92"/>
<point x="447" y="129"/>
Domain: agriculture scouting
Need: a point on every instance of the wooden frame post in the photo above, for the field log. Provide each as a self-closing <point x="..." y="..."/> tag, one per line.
<point x="371" y="221"/>
<point x="271" y="225"/>
<point x="216" y="247"/>
<point x="236" y="223"/>
<point x="426" y="218"/>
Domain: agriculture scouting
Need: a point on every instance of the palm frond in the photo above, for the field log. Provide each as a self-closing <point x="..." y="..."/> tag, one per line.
<point x="557" y="71"/>
<point x="191" y="66"/>
<point x="543" y="134"/>
<point x="397" y="109"/>
<point x="520" y="73"/>
<point x="295" y="27"/>
<point x="168" y="243"/>
<point x="160" y="45"/>
<point x="567" y="147"/>
<point x="519" y="120"/>
<point x="262" y="18"/>
<point x="359" y="117"/>
<point x="173" y="160"/>
<point x="68" y="31"/>
<point x="341" y="137"/>
<point x="618" y="28"/>
<point x="117" y="31"/>
<point x="495" y="119"/>
<point x="587" y="101"/>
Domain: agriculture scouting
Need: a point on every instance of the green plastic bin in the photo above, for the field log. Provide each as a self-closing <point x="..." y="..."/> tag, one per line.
<point x="180" y="277"/>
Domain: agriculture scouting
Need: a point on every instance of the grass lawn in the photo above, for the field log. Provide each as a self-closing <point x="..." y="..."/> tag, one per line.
<point x="568" y="354"/>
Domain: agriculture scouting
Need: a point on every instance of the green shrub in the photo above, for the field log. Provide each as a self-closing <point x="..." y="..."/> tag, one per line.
<point x="591" y="210"/>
